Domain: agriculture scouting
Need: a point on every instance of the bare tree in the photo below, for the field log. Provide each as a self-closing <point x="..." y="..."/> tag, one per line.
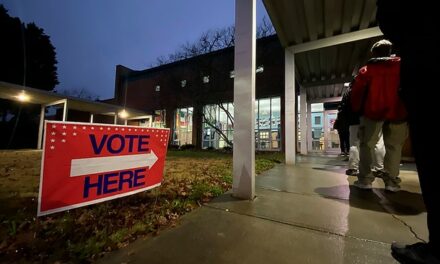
<point x="210" y="41"/>
<point x="80" y="93"/>
<point x="265" y="28"/>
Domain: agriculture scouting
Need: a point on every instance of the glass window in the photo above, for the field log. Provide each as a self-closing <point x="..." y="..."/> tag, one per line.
<point x="183" y="126"/>
<point x="276" y="123"/>
<point x="317" y="130"/>
<point x="257" y="118"/>
<point x="231" y="119"/>
<point x="317" y="120"/>
<point x="217" y="125"/>
<point x="159" y="118"/>
<point x="268" y="124"/>
<point x="264" y="114"/>
<point x="318" y="107"/>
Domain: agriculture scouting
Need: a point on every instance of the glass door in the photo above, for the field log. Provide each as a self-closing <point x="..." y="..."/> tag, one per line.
<point x="331" y="137"/>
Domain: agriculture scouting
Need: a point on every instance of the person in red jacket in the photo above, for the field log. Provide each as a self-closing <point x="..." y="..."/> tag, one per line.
<point x="375" y="96"/>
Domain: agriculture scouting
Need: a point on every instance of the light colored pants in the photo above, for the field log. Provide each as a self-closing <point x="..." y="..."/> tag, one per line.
<point x="379" y="151"/>
<point x="379" y="154"/>
<point x="394" y="135"/>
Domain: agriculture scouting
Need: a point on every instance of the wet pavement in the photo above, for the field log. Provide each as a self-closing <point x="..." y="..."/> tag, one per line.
<point x="308" y="213"/>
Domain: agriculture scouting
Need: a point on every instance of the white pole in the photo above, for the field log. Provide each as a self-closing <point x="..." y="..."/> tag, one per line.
<point x="243" y="185"/>
<point x="309" y="126"/>
<point x="65" y="111"/>
<point x="40" y="127"/>
<point x="289" y="116"/>
<point x="91" y="118"/>
<point x="304" y="126"/>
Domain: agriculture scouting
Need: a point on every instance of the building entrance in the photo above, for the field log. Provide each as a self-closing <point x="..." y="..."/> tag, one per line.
<point x="331" y="137"/>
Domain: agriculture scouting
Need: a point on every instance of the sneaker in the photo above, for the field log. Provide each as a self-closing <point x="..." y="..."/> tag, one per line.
<point x="392" y="188"/>
<point x="415" y="253"/>
<point x="378" y="174"/>
<point x="352" y="172"/>
<point x="364" y="186"/>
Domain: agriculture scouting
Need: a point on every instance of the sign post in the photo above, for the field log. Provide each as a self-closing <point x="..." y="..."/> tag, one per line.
<point x="85" y="163"/>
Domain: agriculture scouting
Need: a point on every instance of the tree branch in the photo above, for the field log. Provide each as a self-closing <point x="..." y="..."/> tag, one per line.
<point x="218" y="130"/>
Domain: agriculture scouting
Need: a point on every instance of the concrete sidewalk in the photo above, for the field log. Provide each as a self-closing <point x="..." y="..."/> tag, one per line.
<point x="306" y="213"/>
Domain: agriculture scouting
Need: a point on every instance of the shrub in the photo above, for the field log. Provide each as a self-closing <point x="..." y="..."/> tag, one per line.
<point x="187" y="146"/>
<point x="227" y="149"/>
<point x="173" y="147"/>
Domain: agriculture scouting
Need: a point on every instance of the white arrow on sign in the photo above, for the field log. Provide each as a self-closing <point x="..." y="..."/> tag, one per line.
<point x="80" y="167"/>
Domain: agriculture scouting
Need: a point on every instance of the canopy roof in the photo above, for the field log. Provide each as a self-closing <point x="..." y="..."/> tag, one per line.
<point x="331" y="39"/>
<point x="11" y="91"/>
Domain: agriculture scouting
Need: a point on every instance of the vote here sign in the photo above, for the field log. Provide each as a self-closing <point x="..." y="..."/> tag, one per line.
<point x="85" y="163"/>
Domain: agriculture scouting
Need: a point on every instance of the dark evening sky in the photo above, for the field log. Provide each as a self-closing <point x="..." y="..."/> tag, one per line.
<point x="92" y="37"/>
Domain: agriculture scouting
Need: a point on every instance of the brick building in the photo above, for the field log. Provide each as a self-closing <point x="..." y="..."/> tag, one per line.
<point x="182" y="93"/>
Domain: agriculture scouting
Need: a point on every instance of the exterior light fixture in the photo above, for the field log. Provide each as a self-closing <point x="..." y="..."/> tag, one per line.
<point x="123" y="114"/>
<point x="23" y="97"/>
<point x="260" y="69"/>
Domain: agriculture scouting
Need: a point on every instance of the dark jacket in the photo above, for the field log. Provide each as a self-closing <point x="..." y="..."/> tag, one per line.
<point x="375" y="92"/>
<point x="341" y="123"/>
<point x="351" y="116"/>
<point x="413" y="29"/>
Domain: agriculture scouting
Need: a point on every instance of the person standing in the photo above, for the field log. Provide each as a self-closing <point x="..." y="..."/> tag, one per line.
<point x="375" y="96"/>
<point x="341" y="124"/>
<point x="413" y="28"/>
<point x="353" y="120"/>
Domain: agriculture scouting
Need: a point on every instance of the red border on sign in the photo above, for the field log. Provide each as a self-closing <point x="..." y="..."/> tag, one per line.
<point x="67" y="182"/>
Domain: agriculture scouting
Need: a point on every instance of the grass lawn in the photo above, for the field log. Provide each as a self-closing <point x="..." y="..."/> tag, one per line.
<point x="191" y="178"/>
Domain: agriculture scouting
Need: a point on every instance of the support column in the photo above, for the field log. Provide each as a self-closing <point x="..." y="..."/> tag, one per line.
<point x="303" y="122"/>
<point x="116" y="118"/>
<point x="40" y="127"/>
<point x="91" y="118"/>
<point x="243" y="185"/>
<point x="289" y="97"/>
<point x="197" y="130"/>
<point x="65" y="111"/>
<point x="309" y="125"/>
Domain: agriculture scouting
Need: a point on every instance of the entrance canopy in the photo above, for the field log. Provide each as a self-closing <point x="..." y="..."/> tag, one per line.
<point x="35" y="96"/>
<point x="331" y="39"/>
<point x="45" y="98"/>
